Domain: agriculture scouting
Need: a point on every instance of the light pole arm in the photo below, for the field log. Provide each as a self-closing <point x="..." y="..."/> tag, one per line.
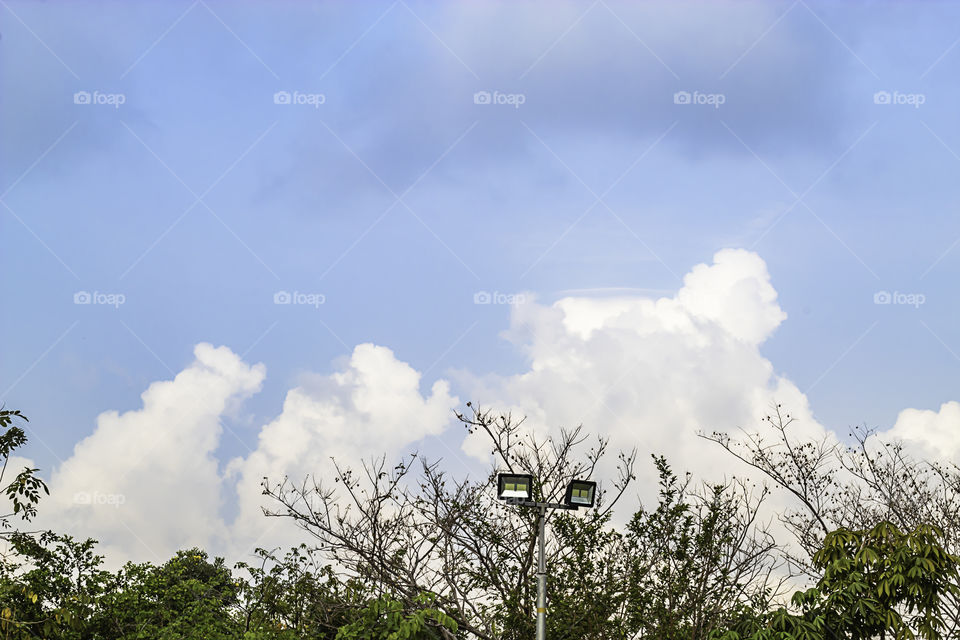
<point x="540" y="505"/>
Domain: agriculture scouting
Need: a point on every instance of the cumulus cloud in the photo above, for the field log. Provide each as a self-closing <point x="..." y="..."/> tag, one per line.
<point x="647" y="372"/>
<point x="373" y="407"/>
<point x="650" y="373"/>
<point x="735" y="293"/>
<point x="931" y="434"/>
<point x="146" y="481"/>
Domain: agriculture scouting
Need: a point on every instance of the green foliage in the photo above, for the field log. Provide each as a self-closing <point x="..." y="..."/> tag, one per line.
<point x="51" y="586"/>
<point x="24" y="491"/>
<point x="388" y="619"/>
<point x="875" y="583"/>
<point x="587" y="582"/>
<point x="695" y="564"/>
<point x="295" y="596"/>
<point x="883" y="581"/>
<point x="187" y="597"/>
<point x="57" y="590"/>
<point x="695" y="567"/>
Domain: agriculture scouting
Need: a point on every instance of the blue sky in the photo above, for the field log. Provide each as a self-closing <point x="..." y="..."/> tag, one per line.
<point x="400" y="197"/>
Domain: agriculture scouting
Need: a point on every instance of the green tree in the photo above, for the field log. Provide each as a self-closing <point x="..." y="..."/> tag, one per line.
<point x="388" y="619"/>
<point x="587" y="586"/>
<point x="295" y="596"/>
<point x="24" y="490"/>
<point x="875" y="583"/>
<point x="883" y="582"/>
<point x="852" y="487"/>
<point x="187" y="597"/>
<point x="50" y="585"/>
<point x="698" y="561"/>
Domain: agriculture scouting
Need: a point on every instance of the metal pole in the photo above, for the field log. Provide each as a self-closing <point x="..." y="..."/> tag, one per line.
<point x="542" y="578"/>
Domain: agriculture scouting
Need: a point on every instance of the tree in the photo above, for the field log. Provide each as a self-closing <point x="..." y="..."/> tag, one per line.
<point x="875" y="583"/>
<point x="295" y="596"/>
<point x="853" y="488"/>
<point x="387" y="619"/>
<point x="58" y="590"/>
<point x="587" y="590"/>
<point x="189" y="596"/>
<point x="408" y="552"/>
<point x="24" y="490"/>
<point x="50" y="586"/>
<point x="33" y="602"/>
<point x="406" y="535"/>
<point x="699" y="561"/>
<point x="882" y="581"/>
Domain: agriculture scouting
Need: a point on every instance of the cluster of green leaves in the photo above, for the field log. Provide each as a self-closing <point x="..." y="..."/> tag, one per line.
<point x="293" y="596"/>
<point x="53" y="587"/>
<point x="24" y="491"/>
<point x="388" y="619"/>
<point x="697" y="563"/>
<point x="586" y="587"/>
<point x="876" y="583"/>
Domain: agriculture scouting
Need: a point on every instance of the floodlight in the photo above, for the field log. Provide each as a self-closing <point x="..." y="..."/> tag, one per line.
<point x="514" y="485"/>
<point x="580" y="493"/>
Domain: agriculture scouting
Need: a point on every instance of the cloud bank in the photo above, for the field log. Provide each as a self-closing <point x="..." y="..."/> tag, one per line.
<point x="648" y="373"/>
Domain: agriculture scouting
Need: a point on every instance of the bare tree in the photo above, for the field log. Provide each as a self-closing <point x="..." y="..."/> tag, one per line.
<point x="852" y="487"/>
<point x="412" y="527"/>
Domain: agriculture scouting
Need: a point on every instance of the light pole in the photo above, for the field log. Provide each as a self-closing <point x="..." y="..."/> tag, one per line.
<point x="517" y="489"/>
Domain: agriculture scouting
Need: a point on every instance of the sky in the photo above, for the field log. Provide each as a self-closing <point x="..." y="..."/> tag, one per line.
<point x="241" y="238"/>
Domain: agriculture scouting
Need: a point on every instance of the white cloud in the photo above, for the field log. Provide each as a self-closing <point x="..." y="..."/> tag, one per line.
<point x="735" y="292"/>
<point x="647" y="372"/>
<point x="650" y="373"/>
<point x="146" y="481"/>
<point x="932" y="434"/>
<point x="370" y="408"/>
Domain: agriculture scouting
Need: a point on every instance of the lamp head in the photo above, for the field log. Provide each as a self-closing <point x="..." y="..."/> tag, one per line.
<point x="581" y="493"/>
<point x="517" y="486"/>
